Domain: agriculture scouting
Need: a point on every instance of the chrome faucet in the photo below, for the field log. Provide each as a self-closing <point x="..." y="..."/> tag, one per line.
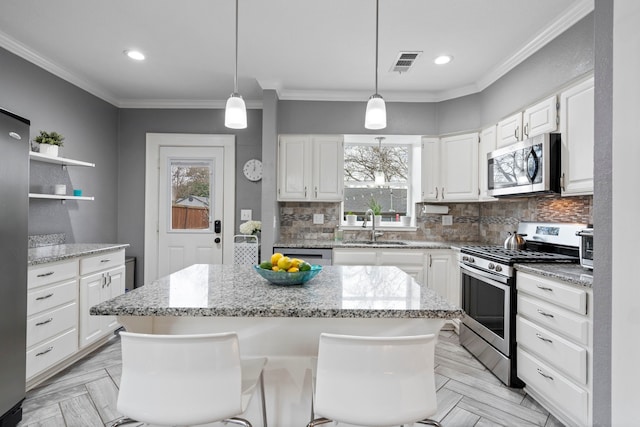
<point x="374" y="233"/>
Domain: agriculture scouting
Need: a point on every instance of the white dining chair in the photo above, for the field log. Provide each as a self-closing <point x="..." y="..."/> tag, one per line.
<point x="171" y="380"/>
<point x="375" y="381"/>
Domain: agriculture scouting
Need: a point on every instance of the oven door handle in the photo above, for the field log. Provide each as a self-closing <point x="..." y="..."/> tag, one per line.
<point x="484" y="278"/>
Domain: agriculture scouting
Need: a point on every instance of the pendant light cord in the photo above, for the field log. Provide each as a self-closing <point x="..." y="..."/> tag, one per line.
<point x="377" y="2"/>
<point x="235" y="76"/>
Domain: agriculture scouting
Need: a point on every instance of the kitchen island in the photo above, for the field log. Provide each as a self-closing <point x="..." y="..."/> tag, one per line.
<point x="282" y="322"/>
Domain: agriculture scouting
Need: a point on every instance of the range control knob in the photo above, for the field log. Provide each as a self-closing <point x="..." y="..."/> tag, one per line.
<point x="491" y="266"/>
<point x="472" y="259"/>
<point x="498" y="268"/>
<point x="465" y="258"/>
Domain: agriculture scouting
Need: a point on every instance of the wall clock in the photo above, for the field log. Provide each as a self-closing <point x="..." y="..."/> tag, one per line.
<point x="253" y="170"/>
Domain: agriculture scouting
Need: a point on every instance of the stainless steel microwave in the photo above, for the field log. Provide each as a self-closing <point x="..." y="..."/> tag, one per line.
<point x="526" y="168"/>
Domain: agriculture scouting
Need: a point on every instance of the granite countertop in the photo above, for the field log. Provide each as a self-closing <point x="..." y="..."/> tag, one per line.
<point x="53" y="253"/>
<point x="405" y="244"/>
<point x="573" y="274"/>
<point x="238" y="291"/>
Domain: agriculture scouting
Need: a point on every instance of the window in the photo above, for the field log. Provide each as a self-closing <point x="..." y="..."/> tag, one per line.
<point x="379" y="173"/>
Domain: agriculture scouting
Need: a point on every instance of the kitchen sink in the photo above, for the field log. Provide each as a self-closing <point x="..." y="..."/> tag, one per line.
<point x="377" y="242"/>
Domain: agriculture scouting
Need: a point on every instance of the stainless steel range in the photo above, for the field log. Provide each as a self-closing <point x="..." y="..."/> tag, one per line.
<point x="489" y="293"/>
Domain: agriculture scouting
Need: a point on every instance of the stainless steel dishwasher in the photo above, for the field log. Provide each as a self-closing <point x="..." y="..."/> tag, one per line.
<point x="319" y="256"/>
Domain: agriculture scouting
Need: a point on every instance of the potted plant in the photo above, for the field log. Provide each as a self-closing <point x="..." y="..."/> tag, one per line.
<point x="377" y="210"/>
<point x="49" y="143"/>
<point x="351" y="218"/>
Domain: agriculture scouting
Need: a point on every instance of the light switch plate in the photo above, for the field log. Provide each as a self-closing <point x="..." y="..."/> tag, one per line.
<point x="318" y="218"/>
<point x="245" y="214"/>
<point x="447" y="220"/>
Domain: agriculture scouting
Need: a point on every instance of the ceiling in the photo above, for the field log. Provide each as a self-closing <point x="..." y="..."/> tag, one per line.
<point x="305" y="49"/>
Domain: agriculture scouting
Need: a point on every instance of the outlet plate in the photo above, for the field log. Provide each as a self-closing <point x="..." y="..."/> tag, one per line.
<point x="447" y="220"/>
<point x="318" y="218"/>
<point x="245" y="214"/>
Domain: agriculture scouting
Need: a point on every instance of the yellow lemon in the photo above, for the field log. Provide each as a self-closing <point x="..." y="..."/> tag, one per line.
<point x="275" y="268"/>
<point x="295" y="262"/>
<point x="293" y="270"/>
<point x="275" y="258"/>
<point x="284" y="263"/>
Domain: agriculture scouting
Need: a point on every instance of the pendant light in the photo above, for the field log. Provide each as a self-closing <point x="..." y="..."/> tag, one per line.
<point x="376" y="116"/>
<point x="235" y="113"/>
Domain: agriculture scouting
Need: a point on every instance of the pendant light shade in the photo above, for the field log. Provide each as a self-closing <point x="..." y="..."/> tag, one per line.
<point x="235" y="113"/>
<point x="376" y="115"/>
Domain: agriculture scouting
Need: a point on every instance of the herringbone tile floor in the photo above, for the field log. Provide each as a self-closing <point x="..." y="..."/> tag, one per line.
<point x="84" y="395"/>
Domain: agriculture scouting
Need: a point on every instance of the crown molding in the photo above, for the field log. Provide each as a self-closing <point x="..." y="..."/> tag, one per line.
<point x="183" y="104"/>
<point x="27" y="54"/>
<point x="562" y="23"/>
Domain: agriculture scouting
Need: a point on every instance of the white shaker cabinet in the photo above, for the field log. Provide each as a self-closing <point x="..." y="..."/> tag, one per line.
<point x="101" y="278"/>
<point x="540" y="118"/>
<point x="577" y="129"/>
<point x="411" y="261"/>
<point x="310" y="168"/>
<point x="450" y="168"/>
<point x="554" y="332"/>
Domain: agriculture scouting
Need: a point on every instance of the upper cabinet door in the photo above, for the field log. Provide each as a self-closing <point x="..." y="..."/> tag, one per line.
<point x="509" y="130"/>
<point x="328" y="168"/>
<point x="294" y="167"/>
<point x="487" y="144"/>
<point x="576" y="127"/>
<point x="540" y="118"/>
<point x="459" y="173"/>
<point x="430" y="169"/>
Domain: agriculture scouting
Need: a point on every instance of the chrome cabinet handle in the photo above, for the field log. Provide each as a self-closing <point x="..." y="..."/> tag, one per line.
<point x="105" y="260"/>
<point x="44" y="297"/>
<point x="562" y="182"/>
<point x="44" y="322"/>
<point x="436" y="193"/>
<point x="316" y="189"/>
<point x="442" y="193"/>
<point x="545" y="314"/>
<point x="516" y="132"/>
<point x="46" y="274"/>
<point x="44" y="352"/>
<point x="526" y="130"/>
<point x="544" y="288"/>
<point x="305" y="191"/>
<point x="543" y="338"/>
<point x="549" y="377"/>
<point x="430" y="260"/>
<point x="103" y="280"/>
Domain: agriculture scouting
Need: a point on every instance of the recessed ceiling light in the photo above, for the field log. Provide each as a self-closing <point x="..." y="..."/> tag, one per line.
<point x="443" y="59"/>
<point x="134" y="54"/>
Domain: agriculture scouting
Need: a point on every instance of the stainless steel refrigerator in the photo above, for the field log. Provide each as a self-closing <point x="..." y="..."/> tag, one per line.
<point x="14" y="210"/>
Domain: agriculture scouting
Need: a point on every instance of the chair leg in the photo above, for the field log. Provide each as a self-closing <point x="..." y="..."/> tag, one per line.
<point x="318" y="421"/>
<point x="238" y="421"/>
<point x="430" y="423"/>
<point x="125" y="420"/>
<point x="262" y="398"/>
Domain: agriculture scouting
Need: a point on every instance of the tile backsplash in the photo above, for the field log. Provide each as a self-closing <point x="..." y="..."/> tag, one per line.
<point x="486" y="222"/>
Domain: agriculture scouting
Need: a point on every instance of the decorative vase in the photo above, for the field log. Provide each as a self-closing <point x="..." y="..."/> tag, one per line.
<point x="351" y="219"/>
<point x="49" y="150"/>
<point x="377" y="219"/>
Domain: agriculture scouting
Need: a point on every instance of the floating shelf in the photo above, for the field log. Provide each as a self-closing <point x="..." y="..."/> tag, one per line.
<point x="59" y="161"/>
<point x="58" y="197"/>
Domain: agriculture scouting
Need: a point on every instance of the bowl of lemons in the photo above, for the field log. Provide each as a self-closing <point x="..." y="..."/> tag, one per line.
<point x="282" y="270"/>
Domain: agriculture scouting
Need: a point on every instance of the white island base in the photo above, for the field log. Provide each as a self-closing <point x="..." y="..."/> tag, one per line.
<point x="290" y="343"/>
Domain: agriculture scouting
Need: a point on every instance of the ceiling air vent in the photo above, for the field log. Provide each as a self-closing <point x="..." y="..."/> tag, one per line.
<point x="404" y="61"/>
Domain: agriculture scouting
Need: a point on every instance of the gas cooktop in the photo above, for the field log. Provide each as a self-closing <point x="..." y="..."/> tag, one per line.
<point x="512" y="256"/>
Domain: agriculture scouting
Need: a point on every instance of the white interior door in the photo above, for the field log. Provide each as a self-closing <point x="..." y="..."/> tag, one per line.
<point x="189" y="202"/>
<point x="190" y="189"/>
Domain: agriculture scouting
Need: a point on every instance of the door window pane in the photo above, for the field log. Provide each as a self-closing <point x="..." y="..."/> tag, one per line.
<point x="190" y="194"/>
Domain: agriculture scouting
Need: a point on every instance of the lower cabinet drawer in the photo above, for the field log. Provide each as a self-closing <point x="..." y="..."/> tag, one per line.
<point x="554" y="386"/>
<point x="103" y="261"/>
<point x="41" y="299"/>
<point x="553" y="349"/>
<point x="50" y="352"/>
<point x="555" y="318"/>
<point x="51" y="323"/>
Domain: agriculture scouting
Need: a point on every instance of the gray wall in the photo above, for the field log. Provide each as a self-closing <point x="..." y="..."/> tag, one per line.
<point x="134" y="125"/>
<point x="90" y="129"/>
<point x="602" y="213"/>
